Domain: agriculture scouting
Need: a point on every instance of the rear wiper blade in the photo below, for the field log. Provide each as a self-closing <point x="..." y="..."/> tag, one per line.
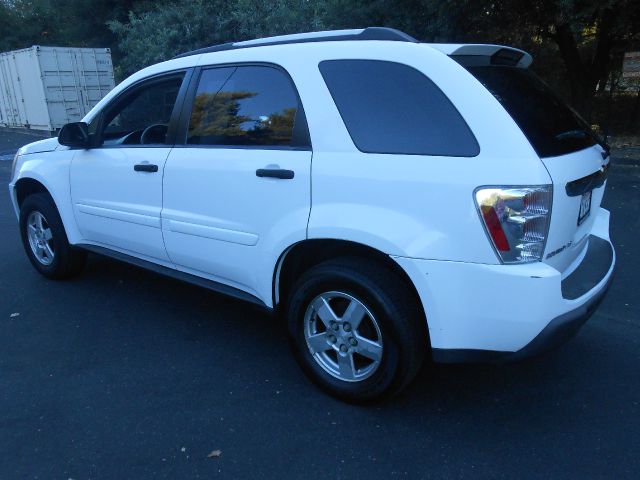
<point x="586" y="133"/>
<point x="572" y="134"/>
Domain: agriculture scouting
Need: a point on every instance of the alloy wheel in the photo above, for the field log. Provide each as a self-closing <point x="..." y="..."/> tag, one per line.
<point x="343" y="336"/>
<point x="40" y="238"/>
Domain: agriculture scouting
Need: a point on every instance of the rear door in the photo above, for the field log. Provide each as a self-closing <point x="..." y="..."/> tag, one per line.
<point x="237" y="191"/>
<point x="568" y="149"/>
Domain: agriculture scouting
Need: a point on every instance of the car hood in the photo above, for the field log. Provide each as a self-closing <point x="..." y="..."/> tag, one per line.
<point x="46" y="145"/>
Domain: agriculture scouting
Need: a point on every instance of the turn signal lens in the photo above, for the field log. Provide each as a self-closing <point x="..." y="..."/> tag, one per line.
<point x="516" y="220"/>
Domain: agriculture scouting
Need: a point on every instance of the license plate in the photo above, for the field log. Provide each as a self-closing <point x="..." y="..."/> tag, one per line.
<point x="585" y="207"/>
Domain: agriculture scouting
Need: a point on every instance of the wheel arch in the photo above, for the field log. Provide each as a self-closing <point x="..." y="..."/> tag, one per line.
<point x="26" y="186"/>
<point x="29" y="184"/>
<point x="301" y="256"/>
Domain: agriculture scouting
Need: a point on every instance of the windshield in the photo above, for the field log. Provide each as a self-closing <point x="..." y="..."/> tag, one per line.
<point x="549" y="124"/>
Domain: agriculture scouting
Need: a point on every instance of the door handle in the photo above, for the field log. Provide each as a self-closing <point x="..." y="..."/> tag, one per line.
<point x="280" y="173"/>
<point x="145" y="167"/>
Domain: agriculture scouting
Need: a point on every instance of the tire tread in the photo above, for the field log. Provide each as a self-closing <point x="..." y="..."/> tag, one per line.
<point x="69" y="260"/>
<point x="402" y="309"/>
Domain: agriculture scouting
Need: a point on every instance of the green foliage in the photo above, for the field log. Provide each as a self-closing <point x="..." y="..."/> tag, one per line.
<point x="578" y="44"/>
<point x="75" y="23"/>
<point x="257" y="18"/>
<point x="166" y="29"/>
<point x="218" y="115"/>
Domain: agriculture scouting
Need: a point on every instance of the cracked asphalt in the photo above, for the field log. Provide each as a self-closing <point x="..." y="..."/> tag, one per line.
<point x="120" y="373"/>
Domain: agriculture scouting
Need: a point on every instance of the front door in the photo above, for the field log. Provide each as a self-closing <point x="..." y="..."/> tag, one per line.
<point x="237" y="192"/>
<point x="116" y="186"/>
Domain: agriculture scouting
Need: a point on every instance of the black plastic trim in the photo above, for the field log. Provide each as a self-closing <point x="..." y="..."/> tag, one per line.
<point x="280" y="173"/>
<point x="246" y="147"/>
<point x="506" y="57"/>
<point x="369" y="33"/>
<point x="556" y="333"/>
<point x="186" y="106"/>
<point x="176" y="274"/>
<point x="585" y="184"/>
<point x="145" y="167"/>
<point x="174" y="125"/>
<point x="591" y="271"/>
<point x="472" y="60"/>
<point x="468" y="355"/>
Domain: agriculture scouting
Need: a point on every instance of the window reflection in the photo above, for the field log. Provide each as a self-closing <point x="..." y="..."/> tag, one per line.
<point x="254" y="106"/>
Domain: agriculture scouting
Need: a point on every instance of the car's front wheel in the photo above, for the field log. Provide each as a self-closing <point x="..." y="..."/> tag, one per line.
<point x="355" y="329"/>
<point x="45" y="240"/>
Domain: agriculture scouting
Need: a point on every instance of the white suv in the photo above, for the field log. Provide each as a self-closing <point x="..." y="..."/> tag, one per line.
<point x="393" y="199"/>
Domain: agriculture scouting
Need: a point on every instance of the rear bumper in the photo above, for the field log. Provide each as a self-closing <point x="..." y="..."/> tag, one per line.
<point x="495" y="313"/>
<point x="556" y="333"/>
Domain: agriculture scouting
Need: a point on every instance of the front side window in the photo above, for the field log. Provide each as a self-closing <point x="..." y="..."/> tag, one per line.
<point x="392" y="108"/>
<point x="142" y="116"/>
<point x="243" y="106"/>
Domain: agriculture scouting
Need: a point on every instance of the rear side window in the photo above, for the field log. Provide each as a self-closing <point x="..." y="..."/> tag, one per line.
<point x="244" y="106"/>
<point x="389" y="107"/>
<point x="549" y="124"/>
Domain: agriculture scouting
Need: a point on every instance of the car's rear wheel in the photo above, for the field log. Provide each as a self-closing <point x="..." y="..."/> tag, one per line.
<point x="45" y="240"/>
<point x="355" y="329"/>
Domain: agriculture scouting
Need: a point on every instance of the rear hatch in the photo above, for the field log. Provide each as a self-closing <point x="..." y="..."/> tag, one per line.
<point x="574" y="157"/>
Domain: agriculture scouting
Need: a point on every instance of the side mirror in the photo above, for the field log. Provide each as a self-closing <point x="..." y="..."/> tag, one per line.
<point x="75" y="135"/>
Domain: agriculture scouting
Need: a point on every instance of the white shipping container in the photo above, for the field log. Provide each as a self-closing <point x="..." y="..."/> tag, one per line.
<point x="44" y="88"/>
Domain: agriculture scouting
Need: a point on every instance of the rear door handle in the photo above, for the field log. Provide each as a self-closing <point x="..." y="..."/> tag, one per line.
<point x="145" y="167"/>
<point x="275" y="173"/>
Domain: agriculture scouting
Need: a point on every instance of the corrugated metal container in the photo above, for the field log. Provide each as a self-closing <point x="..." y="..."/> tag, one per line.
<point x="44" y="88"/>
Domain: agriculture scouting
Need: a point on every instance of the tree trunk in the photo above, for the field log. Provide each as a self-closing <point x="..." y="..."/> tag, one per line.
<point x="576" y="71"/>
<point x="584" y="77"/>
<point x="634" y="120"/>
<point x="602" y="58"/>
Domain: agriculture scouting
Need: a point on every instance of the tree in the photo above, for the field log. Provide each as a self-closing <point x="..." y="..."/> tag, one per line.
<point x="574" y="42"/>
<point x="586" y="34"/>
<point x="72" y="23"/>
<point x="167" y="29"/>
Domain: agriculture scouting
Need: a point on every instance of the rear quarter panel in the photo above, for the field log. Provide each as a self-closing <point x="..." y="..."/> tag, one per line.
<point x="410" y="205"/>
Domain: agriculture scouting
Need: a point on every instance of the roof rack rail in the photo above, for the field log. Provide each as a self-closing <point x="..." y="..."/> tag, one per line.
<point x="369" y="33"/>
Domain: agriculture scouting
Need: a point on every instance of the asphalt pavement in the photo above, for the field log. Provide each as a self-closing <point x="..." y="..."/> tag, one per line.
<point x="121" y="373"/>
<point x="12" y="139"/>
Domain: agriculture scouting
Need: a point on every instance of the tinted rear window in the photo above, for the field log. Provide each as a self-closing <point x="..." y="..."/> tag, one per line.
<point x="389" y="107"/>
<point x="549" y="124"/>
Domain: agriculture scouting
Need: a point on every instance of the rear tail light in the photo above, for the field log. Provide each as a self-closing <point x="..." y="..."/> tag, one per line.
<point x="516" y="220"/>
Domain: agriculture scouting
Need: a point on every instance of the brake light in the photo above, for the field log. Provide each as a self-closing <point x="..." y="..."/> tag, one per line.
<point x="495" y="229"/>
<point x="516" y="220"/>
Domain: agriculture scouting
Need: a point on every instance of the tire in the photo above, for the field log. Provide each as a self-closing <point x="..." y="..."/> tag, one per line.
<point x="392" y="334"/>
<point x="49" y="250"/>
